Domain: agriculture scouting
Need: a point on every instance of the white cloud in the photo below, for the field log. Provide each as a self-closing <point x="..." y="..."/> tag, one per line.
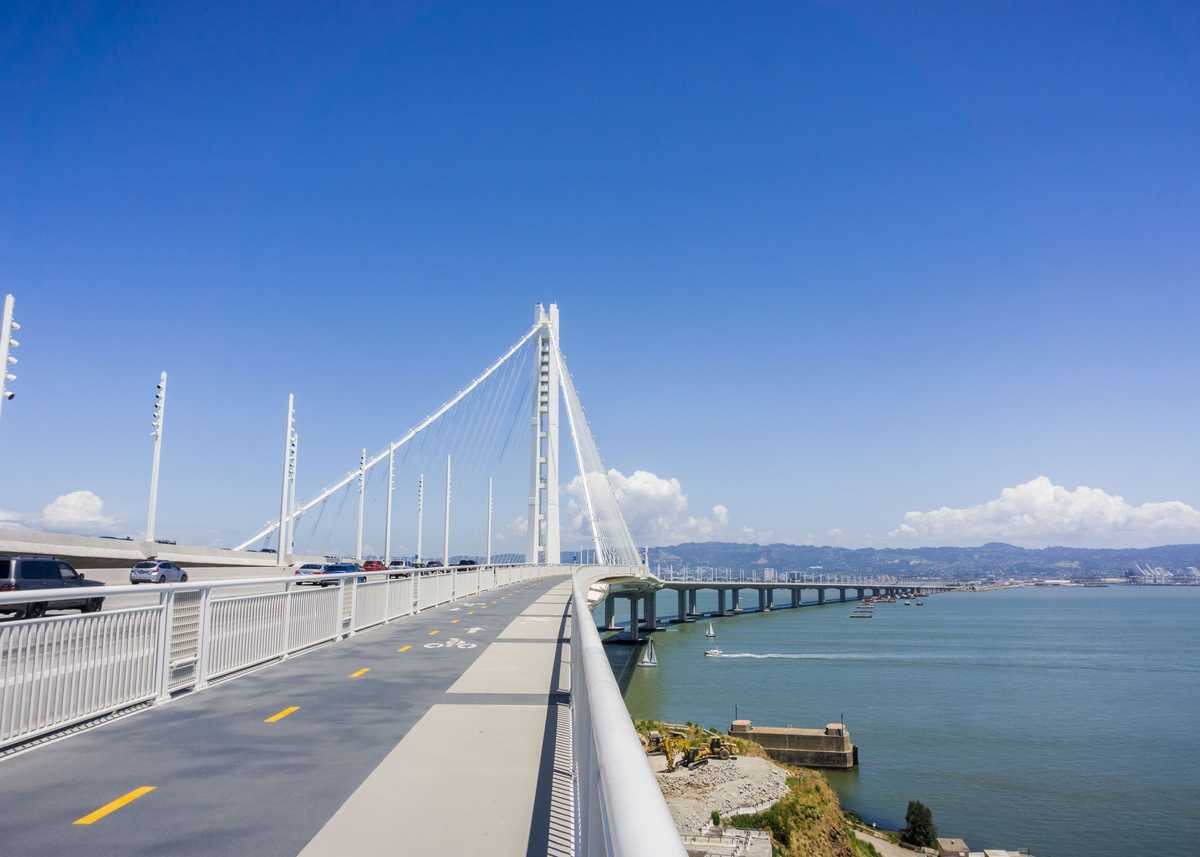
<point x="76" y="510"/>
<point x="656" y="510"/>
<point x="12" y="519"/>
<point x="1038" y="512"/>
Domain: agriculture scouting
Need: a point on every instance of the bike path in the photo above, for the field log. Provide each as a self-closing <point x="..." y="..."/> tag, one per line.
<point x="208" y="775"/>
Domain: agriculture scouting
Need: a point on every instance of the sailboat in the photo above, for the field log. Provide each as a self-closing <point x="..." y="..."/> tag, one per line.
<point x="648" y="658"/>
<point x="710" y="632"/>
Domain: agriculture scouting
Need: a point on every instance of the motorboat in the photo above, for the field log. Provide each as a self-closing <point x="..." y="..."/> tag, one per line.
<point x="713" y="653"/>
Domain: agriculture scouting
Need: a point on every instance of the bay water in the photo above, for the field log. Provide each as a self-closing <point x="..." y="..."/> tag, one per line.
<point x="1062" y="720"/>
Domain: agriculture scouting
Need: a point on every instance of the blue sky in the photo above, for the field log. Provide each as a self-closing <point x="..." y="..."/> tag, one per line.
<point x="824" y="264"/>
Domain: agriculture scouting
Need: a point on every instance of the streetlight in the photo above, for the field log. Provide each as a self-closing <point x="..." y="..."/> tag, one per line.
<point x="160" y="411"/>
<point x="8" y="326"/>
<point x="289" y="448"/>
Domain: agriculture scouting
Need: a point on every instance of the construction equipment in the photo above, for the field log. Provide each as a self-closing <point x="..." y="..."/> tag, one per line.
<point x="694" y="757"/>
<point x="656" y="742"/>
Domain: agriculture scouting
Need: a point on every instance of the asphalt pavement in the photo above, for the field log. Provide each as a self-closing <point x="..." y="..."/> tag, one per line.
<point x="260" y="764"/>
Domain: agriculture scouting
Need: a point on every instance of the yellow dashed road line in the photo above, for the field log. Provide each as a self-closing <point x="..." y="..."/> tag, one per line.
<point x="404" y="648"/>
<point x="279" y="715"/>
<point x="433" y="632"/>
<point x="113" y="806"/>
<point x="360" y="673"/>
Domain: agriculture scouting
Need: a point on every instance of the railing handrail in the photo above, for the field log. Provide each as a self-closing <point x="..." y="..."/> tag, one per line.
<point x="75" y="593"/>
<point x="634" y="819"/>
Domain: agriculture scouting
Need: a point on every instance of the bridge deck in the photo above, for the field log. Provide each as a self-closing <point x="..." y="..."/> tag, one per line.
<point x="434" y="749"/>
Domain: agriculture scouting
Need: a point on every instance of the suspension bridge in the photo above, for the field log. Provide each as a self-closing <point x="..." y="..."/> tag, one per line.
<point x="464" y="708"/>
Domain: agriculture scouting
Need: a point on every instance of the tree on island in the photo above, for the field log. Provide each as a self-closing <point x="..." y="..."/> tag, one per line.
<point x="918" y="826"/>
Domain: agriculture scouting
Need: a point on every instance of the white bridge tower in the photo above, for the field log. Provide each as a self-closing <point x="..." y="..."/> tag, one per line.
<point x="543" y="493"/>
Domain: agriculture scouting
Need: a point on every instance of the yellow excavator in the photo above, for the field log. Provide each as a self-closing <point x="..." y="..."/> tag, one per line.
<point x="658" y="743"/>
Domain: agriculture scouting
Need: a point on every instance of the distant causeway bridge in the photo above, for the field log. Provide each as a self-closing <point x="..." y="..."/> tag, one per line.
<point x="729" y="585"/>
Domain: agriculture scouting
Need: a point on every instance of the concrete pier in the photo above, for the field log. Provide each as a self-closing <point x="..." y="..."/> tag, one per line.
<point x="810" y="748"/>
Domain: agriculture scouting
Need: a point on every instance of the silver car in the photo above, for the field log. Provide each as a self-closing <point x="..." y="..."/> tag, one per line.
<point x="157" y="571"/>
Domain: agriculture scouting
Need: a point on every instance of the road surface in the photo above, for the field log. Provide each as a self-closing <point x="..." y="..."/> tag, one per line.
<point x="446" y="732"/>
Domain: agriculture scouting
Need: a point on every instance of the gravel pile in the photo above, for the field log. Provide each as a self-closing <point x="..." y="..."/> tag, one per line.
<point x="725" y="786"/>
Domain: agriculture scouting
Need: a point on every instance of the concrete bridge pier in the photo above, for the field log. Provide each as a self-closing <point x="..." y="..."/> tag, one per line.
<point x="651" y="611"/>
<point x="633" y="617"/>
<point x="610" y="609"/>
<point x="795" y="597"/>
<point x="737" y="600"/>
<point x="858" y="593"/>
<point x="721" y="602"/>
<point x="762" y="600"/>
<point x="691" y="597"/>
<point x="820" y="596"/>
<point x="681" y="610"/>
<point x="842" y="593"/>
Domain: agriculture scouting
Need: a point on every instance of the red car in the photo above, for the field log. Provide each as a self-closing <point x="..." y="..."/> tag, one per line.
<point x="373" y="565"/>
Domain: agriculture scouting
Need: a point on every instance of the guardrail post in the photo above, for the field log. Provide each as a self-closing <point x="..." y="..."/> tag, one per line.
<point x="166" y="603"/>
<point x="353" y="603"/>
<point x="478" y="580"/>
<point x="204" y="638"/>
<point x="341" y="600"/>
<point x="287" y="620"/>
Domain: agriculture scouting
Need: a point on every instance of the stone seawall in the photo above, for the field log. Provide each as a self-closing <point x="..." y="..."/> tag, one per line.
<point x="809" y="748"/>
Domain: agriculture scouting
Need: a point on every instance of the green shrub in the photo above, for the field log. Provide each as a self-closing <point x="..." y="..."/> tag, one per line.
<point x="918" y="826"/>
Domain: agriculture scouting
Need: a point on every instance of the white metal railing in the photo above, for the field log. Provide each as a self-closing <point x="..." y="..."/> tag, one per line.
<point x="619" y="809"/>
<point x="61" y="670"/>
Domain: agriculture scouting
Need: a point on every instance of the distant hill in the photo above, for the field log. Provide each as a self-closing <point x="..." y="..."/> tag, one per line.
<point x="990" y="560"/>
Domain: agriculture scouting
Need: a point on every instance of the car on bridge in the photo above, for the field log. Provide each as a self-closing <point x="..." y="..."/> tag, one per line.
<point x="374" y="565"/>
<point x="399" y="568"/>
<point x="156" y="571"/>
<point x="39" y="572"/>
<point x="312" y="569"/>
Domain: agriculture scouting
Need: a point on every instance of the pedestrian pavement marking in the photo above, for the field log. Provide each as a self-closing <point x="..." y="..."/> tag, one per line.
<point x="360" y="673"/>
<point x="113" y="806"/>
<point x="279" y="715"/>
<point x="433" y="632"/>
<point x="404" y="648"/>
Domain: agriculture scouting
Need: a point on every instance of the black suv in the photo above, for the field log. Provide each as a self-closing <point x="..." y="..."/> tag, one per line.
<point x="36" y="572"/>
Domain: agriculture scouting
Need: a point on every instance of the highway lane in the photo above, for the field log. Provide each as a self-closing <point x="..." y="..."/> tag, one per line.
<point x="256" y="765"/>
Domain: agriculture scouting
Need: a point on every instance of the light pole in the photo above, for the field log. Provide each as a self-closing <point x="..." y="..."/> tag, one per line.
<point x="420" y="514"/>
<point x="446" y="525"/>
<point x="292" y="494"/>
<point x="288" y="434"/>
<point x="8" y="326"/>
<point x="362" y="491"/>
<point x="391" y="487"/>
<point x="491" y="511"/>
<point x="160" y="411"/>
